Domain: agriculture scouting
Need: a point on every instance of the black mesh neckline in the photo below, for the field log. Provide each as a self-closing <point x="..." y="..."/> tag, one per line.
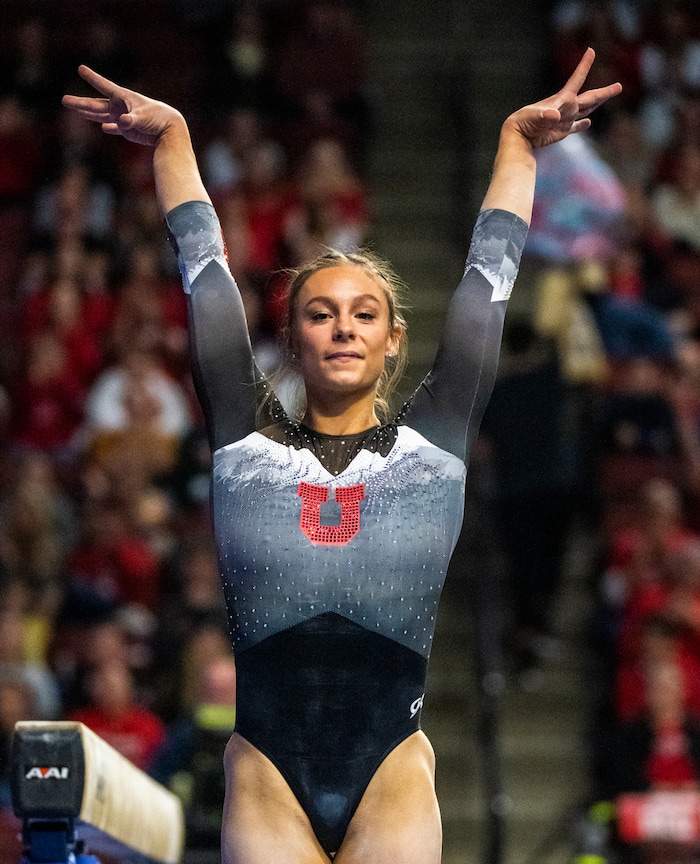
<point x="334" y="452"/>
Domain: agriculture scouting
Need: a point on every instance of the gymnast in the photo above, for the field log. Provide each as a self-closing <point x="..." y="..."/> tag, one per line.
<point x="335" y="523"/>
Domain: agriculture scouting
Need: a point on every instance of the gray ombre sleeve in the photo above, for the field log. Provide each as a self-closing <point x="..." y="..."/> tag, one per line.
<point x="448" y="405"/>
<point x="222" y="357"/>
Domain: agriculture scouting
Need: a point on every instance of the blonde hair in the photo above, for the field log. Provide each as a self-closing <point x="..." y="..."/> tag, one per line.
<point x="383" y="274"/>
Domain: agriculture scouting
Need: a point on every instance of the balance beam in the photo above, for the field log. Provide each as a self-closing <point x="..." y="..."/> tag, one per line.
<point x="63" y="770"/>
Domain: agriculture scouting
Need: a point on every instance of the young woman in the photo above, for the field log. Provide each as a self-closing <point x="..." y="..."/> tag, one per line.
<point x="332" y="616"/>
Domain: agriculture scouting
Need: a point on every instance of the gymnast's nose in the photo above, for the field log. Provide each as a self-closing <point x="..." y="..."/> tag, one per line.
<point x="344" y="328"/>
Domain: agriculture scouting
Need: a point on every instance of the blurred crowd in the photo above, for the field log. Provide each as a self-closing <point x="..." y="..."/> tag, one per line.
<point x="111" y="611"/>
<point x="609" y="365"/>
<point x="110" y="606"/>
<point x="633" y="297"/>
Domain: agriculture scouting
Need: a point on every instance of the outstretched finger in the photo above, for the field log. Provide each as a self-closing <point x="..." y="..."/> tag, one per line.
<point x="580" y="125"/>
<point x="87" y="106"/>
<point x="99" y="82"/>
<point x="592" y="99"/>
<point x="580" y="73"/>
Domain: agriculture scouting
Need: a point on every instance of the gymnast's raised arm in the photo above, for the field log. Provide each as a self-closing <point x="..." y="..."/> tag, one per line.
<point x="223" y="363"/>
<point x="448" y="406"/>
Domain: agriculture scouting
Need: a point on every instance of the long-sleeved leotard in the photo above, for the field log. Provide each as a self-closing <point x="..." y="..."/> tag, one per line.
<point x="332" y="580"/>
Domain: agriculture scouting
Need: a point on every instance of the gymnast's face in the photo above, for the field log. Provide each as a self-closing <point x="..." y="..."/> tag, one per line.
<point x="341" y="332"/>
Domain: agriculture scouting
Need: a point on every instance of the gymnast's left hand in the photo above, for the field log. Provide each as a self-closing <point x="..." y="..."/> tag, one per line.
<point x="566" y="112"/>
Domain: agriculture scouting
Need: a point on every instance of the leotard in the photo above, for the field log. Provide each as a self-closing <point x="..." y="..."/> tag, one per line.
<point x="332" y="577"/>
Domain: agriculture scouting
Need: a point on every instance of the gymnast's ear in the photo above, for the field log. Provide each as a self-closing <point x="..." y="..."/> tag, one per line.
<point x="394" y="339"/>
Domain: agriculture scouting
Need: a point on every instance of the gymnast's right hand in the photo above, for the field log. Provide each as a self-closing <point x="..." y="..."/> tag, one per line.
<point x="124" y="112"/>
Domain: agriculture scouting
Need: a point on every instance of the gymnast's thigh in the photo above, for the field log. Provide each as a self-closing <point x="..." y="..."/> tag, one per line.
<point x="398" y="818"/>
<point x="262" y="821"/>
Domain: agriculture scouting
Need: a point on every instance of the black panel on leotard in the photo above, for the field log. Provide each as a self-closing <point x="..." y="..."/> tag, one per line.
<point x="326" y="712"/>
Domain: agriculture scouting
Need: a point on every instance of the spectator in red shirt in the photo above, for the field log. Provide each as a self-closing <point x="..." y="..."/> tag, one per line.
<point x="675" y="594"/>
<point x="659" y="749"/>
<point x="22" y="152"/>
<point x="638" y="553"/>
<point x="151" y="312"/>
<point x="63" y="305"/>
<point x="333" y="210"/>
<point x="113" y="561"/>
<point x="48" y="396"/>
<point x="268" y="199"/>
<point x="114" y="714"/>
<point x="661" y="644"/>
<point x="74" y="302"/>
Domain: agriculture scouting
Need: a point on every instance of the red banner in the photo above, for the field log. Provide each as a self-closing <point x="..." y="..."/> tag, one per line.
<point x="669" y="816"/>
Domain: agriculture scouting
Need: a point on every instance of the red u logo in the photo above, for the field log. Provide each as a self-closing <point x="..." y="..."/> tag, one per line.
<point x="312" y="497"/>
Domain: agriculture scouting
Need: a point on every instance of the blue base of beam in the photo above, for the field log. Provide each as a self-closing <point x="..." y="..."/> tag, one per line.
<point x="53" y="841"/>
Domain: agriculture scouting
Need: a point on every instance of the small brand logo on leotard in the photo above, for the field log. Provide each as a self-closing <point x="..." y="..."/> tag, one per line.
<point x="417" y="704"/>
<point x="312" y="497"/>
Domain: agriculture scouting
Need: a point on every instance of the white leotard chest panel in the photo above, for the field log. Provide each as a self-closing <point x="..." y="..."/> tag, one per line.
<point x="387" y="577"/>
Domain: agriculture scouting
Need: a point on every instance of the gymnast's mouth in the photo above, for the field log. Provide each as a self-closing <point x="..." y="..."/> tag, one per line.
<point x="344" y="355"/>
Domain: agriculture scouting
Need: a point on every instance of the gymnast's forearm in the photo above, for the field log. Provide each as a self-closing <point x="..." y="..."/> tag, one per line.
<point x="175" y="169"/>
<point x="512" y="185"/>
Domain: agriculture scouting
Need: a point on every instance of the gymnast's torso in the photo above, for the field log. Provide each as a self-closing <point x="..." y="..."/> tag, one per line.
<point x="332" y="574"/>
<point x="371" y="544"/>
